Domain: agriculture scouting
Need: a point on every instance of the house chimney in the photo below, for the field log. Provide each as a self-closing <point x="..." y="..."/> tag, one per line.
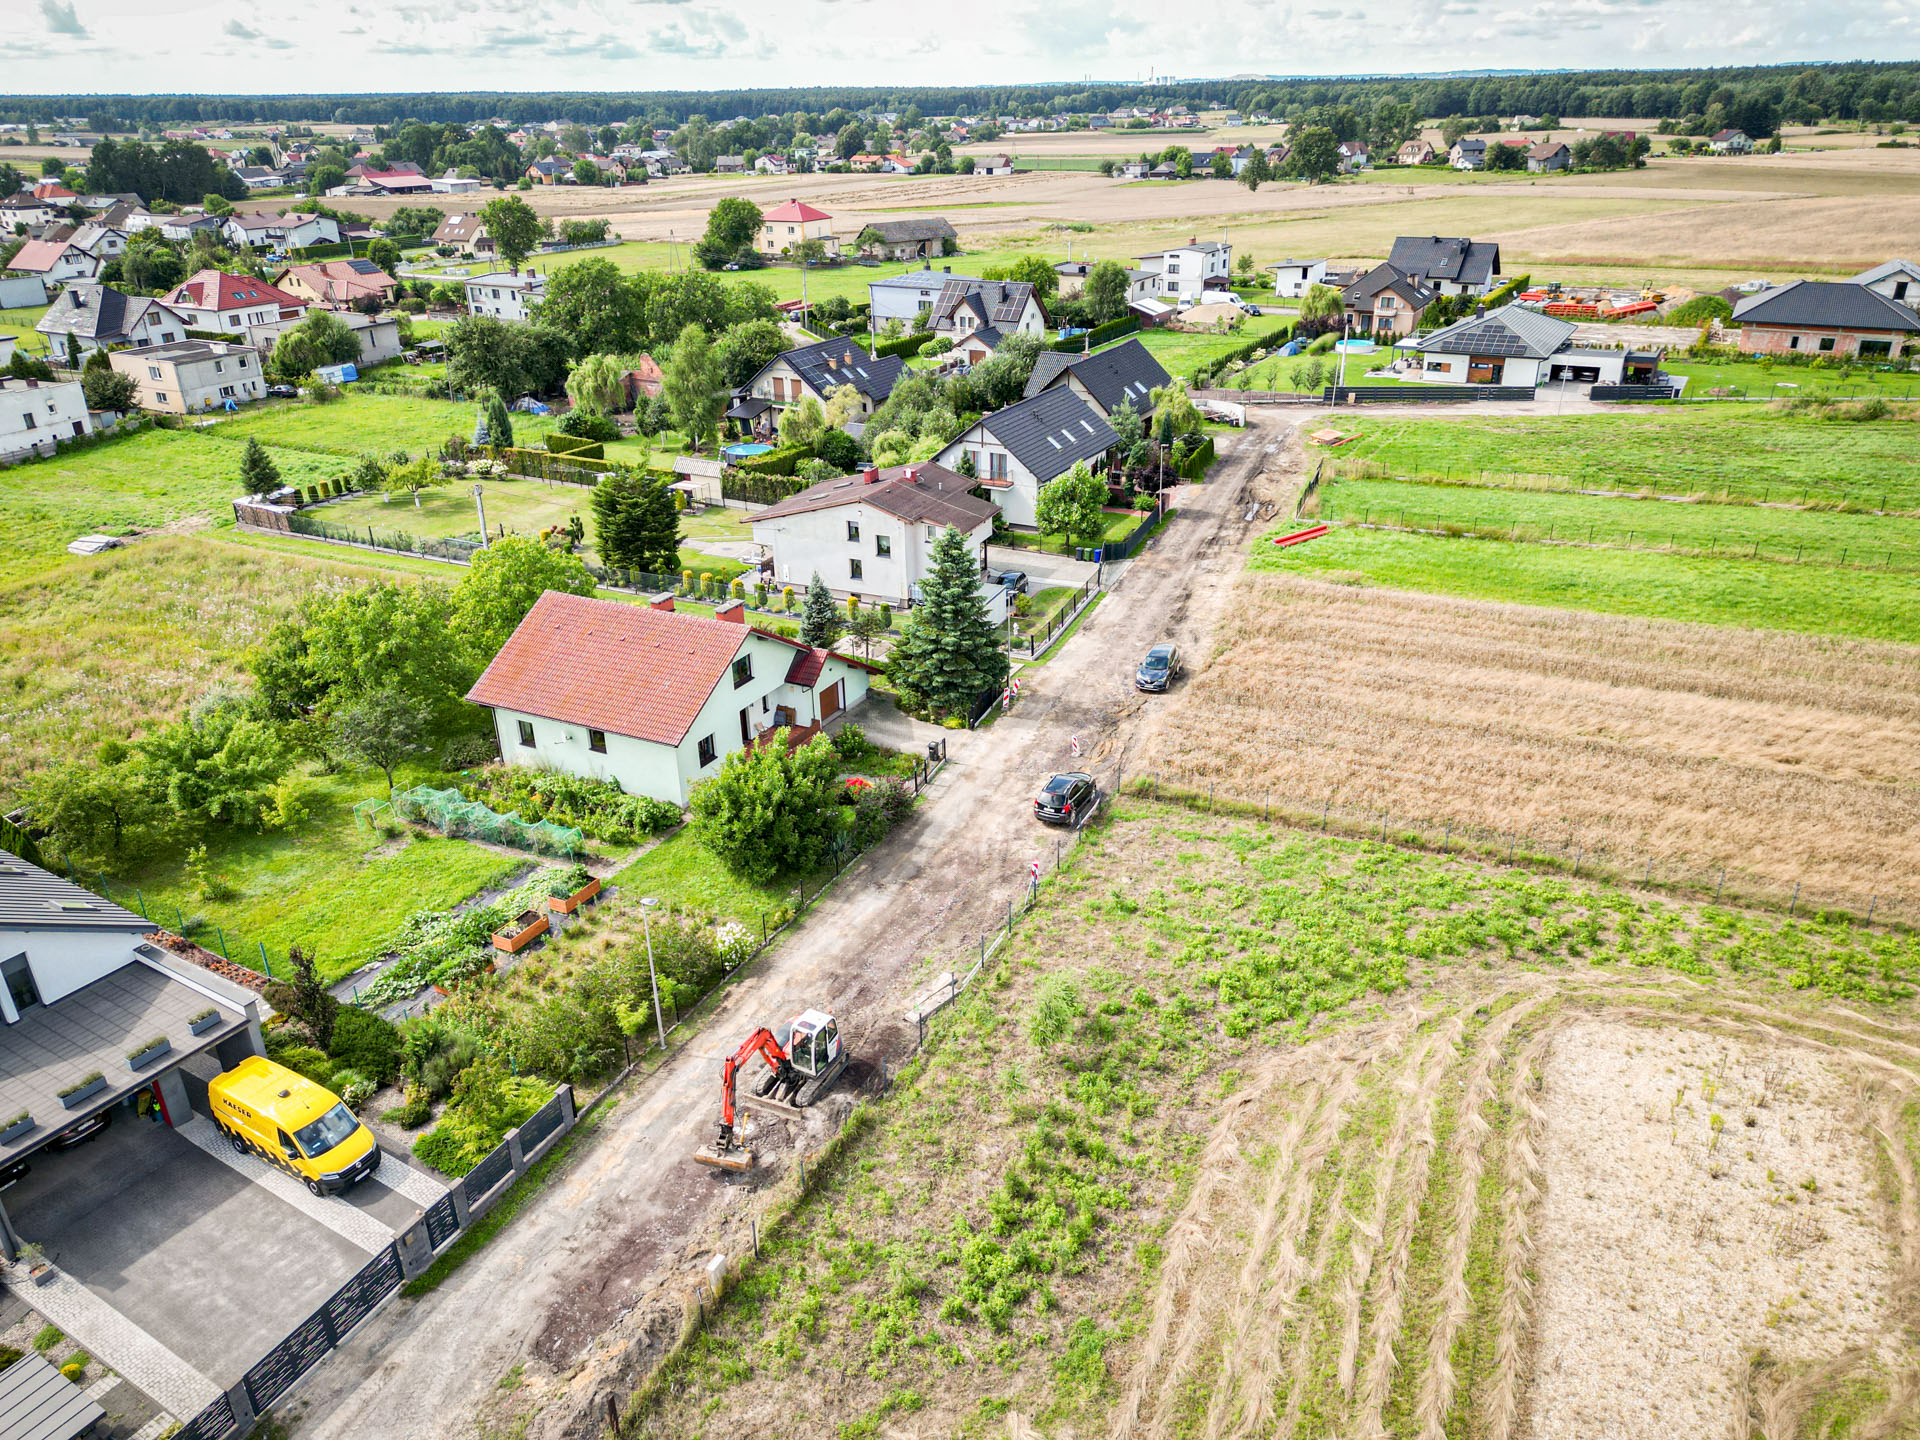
<point x="734" y="612"/>
<point x="871" y="475"/>
<point x="662" y="601"/>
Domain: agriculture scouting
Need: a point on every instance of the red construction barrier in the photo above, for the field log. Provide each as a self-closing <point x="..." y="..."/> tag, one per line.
<point x="1300" y="536"/>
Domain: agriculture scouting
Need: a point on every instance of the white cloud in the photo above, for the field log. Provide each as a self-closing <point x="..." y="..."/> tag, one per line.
<point x="60" y="17"/>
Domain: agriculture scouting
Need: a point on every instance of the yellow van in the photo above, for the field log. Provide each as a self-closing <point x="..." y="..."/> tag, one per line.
<point x="289" y="1121"/>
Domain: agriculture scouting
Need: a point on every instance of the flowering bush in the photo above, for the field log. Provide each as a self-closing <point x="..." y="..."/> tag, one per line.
<point x="734" y="942"/>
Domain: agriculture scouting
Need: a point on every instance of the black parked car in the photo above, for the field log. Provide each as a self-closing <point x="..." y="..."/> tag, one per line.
<point x="90" y="1128"/>
<point x="1159" y="670"/>
<point x="282" y="392"/>
<point x="1014" y="580"/>
<point x="1066" y="799"/>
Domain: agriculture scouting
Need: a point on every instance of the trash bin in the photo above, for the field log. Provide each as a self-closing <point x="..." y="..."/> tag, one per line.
<point x="933" y="751"/>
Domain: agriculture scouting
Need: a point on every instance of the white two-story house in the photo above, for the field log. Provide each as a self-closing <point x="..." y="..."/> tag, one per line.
<point x="651" y="698"/>
<point x="1018" y="450"/>
<point x="1184" y="271"/>
<point x="506" y="294"/>
<point x="213" y="300"/>
<point x="35" y="414"/>
<point x="871" y="534"/>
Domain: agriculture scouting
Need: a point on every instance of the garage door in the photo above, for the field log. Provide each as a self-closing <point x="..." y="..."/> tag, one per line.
<point x="830" y="700"/>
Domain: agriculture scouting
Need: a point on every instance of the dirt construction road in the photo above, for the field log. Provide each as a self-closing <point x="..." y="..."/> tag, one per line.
<point x="576" y="1290"/>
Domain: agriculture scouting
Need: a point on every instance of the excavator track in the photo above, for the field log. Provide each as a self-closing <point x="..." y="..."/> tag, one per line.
<point x="809" y="1092"/>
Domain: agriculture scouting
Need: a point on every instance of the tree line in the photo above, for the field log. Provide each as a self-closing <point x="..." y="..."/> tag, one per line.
<point x="1851" y="90"/>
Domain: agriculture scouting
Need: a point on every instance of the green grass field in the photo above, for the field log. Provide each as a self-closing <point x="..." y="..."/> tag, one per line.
<point x="361" y="421"/>
<point x="1751" y="379"/>
<point x="1756" y="594"/>
<point x="1182" y="352"/>
<point x="1744" y="531"/>
<point x="20" y="321"/>
<point x="1684" y="450"/>
<point x="328" y="885"/>
<point x="684" y="872"/>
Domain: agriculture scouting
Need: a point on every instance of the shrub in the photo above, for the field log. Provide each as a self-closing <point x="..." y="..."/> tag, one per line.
<point x="599" y="808"/>
<point x="365" y="1043"/>
<point x="1700" y="310"/>
<point x="7" y="1356"/>
<point x="48" y="1337"/>
<point x="353" y="1088"/>
<point x="415" y="1112"/>
<point x="305" y="1060"/>
<point x="75" y="1369"/>
<point x="487" y="1102"/>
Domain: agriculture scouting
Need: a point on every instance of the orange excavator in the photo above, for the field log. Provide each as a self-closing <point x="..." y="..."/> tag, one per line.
<point x="805" y="1057"/>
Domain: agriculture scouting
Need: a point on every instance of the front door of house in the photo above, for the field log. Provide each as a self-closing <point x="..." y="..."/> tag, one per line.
<point x="1485" y="370"/>
<point x="830" y="701"/>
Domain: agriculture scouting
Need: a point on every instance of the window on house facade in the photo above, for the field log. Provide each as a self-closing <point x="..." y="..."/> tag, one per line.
<point x="526" y="732"/>
<point x="219" y="367"/>
<point x="1793" y="342"/>
<point x="853" y="569"/>
<point x="28" y="421"/>
<point x="883" y="545"/>
<point x="742" y="671"/>
<point x="153" y="372"/>
<point x="1826" y="342"/>
<point x="243" y="362"/>
<point x="996" y="466"/>
<point x="707" y="751"/>
<point x="597" y="741"/>
<point x="160" y="397"/>
<point x="853" y="530"/>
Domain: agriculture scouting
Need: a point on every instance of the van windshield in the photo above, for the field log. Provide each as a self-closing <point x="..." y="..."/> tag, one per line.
<point x="331" y="1129"/>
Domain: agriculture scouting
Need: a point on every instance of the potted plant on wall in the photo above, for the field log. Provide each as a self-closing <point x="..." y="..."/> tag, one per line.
<point x="83" y="1090"/>
<point x="148" y="1051"/>
<point x="205" y="1020"/>
<point x="39" y="1268"/>
<point x="19" y="1125"/>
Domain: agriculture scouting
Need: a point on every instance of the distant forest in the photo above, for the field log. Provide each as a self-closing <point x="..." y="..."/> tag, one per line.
<point x="1793" y="94"/>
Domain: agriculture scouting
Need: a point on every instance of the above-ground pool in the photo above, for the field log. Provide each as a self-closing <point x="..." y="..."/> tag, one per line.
<point x="1355" y="347"/>
<point x="741" y="452"/>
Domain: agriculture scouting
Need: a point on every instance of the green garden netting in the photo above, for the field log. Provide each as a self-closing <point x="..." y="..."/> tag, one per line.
<point x="451" y="813"/>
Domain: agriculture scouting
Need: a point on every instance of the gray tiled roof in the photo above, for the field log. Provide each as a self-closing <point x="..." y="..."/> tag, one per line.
<point x="907" y="232"/>
<point x="1512" y="330"/>
<point x="1437" y="257"/>
<point x="1885" y="270"/>
<point x="1002" y="302"/>
<point x="1826" y="304"/>
<point x="923" y="279"/>
<point x="1050" y="432"/>
<point x="1126" y="372"/>
<point x="920" y="493"/>
<point x="36" y="899"/>
<point x="103" y="315"/>
<point x="1386" y="277"/>
<point x="831" y="363"/>
<point x="51" y="1047"/>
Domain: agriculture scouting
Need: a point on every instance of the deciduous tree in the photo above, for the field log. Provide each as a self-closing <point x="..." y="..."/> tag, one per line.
<point x="1106" y="291"/>
<point x="693" y="387"/>
<point x="770" y="811"/>
<point x="381" y="730"/>
<point x="1071" y="505"/>
<point x="503" y="581"/>
<point x="513" y="226"/>
<point x="732" y="226"/>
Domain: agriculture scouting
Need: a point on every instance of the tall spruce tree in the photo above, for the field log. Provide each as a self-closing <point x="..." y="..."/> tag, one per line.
<point x="948" y="655"/>
<point x="635" y="525"/>
<point x="258" y="474"/>
<point x="820" y="617"/>
<point x="494" y="424"/>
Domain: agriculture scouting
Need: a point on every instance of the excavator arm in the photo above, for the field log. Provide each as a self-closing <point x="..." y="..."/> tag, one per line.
<point x="760" y="1043"/>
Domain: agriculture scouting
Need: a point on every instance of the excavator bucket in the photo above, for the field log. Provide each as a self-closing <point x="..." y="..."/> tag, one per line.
<point x="737" y="1161"/>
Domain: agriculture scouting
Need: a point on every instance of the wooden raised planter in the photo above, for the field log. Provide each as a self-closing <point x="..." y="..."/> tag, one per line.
<point x="567" y="904"/>
<point x="520" y="932"/>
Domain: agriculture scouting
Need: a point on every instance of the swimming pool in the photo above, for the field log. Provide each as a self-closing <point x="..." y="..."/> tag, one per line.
<point x="743" y="451"/>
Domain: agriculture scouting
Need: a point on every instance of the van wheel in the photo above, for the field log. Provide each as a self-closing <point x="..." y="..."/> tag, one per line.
<point x="315" y="1188"/>
<point x="240" y="1146"/>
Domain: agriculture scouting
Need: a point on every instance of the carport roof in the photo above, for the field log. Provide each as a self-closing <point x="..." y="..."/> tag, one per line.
<point x="52" y="1046"/>
<point x="37" y="1402"/>
<point x="36" y="899"/>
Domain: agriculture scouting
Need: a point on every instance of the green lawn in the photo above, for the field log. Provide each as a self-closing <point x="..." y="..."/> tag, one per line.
<point x="361" y="422"/>
<point x="322" y="885"/>
<point x="683" y="872"/>
<point x="21" y="321"/>
<point x="1685" y="450"/>
<point x="1724" y="530"/>
<point x="1182" y="352"/>
<point x="1754" y="380"/>
<point x="142" y="481"/>
<point x="1113" y="526"/>
<point x="1814" y="599"/>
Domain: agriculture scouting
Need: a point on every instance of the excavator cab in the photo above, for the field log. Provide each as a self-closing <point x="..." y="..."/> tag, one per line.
<point x="812" y="1042"/>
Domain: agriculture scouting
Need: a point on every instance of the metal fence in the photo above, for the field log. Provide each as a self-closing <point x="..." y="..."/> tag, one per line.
<point x="1421" y="394"/>
<point x="485" y="1177"/>
<point x="1560" y="849"/>
<point x="400" y="541"/>
<point x="1634" y="392"/>
<point x="1040" y="639"/>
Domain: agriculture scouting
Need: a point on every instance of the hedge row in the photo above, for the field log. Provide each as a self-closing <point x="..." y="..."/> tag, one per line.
<point x="1504" y="295"/>
<point x="1194" y="467"/>
<point x="576" y="446"/>
<point x="783" y="461"/>
<point x="1098" y="336"/>
<point x="1205" y="373"/>
<point x="905" y="345"/>
<point x="540" y="465"/>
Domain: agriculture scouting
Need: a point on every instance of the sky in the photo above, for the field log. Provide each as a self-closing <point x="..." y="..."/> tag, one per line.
<point x="405" y="45"/>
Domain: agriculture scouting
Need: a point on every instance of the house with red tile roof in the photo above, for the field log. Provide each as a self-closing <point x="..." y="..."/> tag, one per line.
<point x="214" y="300"/>
<point x="653" y="698"/>
<point x="785" y="226"/>
<point x="55" y="260"/>
<point x="337" y="284"/>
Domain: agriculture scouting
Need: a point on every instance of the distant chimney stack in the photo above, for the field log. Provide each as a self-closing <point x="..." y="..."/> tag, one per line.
<point x="734" y="612"/>
<point x="662" y="601"/>
<point x="871" y="475"/>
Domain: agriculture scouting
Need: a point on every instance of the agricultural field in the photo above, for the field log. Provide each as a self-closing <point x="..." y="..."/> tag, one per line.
<point x="1736" y="452"/>
<point x="1254" y="1131"/>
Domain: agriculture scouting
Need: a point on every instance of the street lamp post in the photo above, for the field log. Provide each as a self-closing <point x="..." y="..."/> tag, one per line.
<point x="646" y="919"/>
<point x="480" y="504"/>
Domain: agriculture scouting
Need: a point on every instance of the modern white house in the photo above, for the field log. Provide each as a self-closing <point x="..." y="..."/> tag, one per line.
<point x="291" y="231"/>
<point x="193" y="377"/>
<point x="1468" y="153"/>
<point x="506" y="294"/>
<point x="82" y="991"/>
<point x="1895" y="280"/>
<point x="36" y="414"/>
<point x="1730" y="142"/>
<point x="1295" y="277"/>
<point x="1016" y="451"/>
<point x="871" y="534"/>
<point x="1184" y="271"/>
<point x="650" y="698"/>
<point x="55" y="261"/>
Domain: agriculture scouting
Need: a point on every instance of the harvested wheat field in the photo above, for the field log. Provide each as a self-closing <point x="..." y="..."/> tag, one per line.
<point x="1787" y="760"/>
<point x="1251" y="1131"/>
